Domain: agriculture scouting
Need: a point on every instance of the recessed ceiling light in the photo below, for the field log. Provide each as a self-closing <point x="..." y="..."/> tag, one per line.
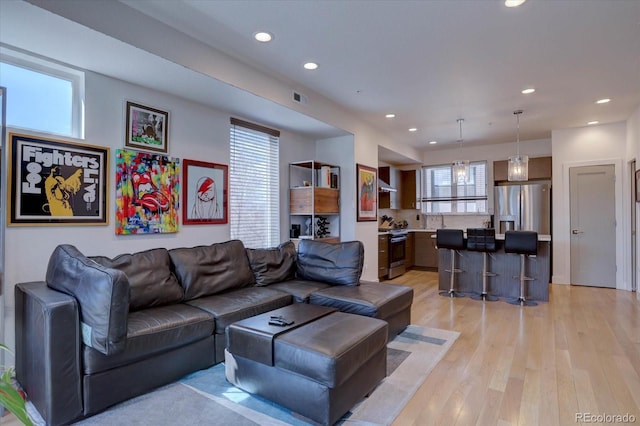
<point x="603" y="101"/>
<point x="592" y="122"/>
<point x="390" y="116"/>
<point x="310" y="66"/>
<point x="413" y="129"/>
<point x="513" y="3"/>
<point x="263" y="36"/>
<point x="433" y="142"/>
<point x="527" y="91"/>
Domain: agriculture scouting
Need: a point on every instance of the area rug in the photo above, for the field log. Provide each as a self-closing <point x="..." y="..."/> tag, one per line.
<point x="206" y="398"/>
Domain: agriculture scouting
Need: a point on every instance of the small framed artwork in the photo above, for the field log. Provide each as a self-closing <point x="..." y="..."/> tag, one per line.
<point x="55" y="182"/>
<point x="637" y="186"/>
<point x="206" y="193"/>
<point x="367" y="193"/>
<point x="147" y="128"/>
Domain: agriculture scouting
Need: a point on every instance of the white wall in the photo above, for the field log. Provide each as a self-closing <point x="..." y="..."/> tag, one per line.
<point x="605" y="144"/>
<point x="196" y="132"/>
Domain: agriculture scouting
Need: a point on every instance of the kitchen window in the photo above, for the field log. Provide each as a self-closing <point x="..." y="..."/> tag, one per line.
<point x="254" y="197"/>
<point x="42" y="95"/>
<point x="442" y="194"/>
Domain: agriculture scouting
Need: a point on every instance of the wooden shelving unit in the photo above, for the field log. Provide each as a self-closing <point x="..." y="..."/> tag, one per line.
<point x="314" y="193"/>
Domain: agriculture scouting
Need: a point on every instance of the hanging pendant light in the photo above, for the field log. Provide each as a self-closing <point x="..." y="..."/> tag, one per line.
<point x="461" y="167"/>
<point x="518" y="164"/>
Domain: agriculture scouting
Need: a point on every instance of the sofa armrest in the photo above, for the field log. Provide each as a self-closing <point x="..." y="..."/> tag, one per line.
<point x="48" y="351"/>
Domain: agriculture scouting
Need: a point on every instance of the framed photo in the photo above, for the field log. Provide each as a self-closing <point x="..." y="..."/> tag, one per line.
<point x="54" y="182"/>
<point x="147" y="187"/>
<point x="206" y="193"/>
<point x="367" y="193"/>
<point x="637" y="186"/>
<point x="147" y="128"/>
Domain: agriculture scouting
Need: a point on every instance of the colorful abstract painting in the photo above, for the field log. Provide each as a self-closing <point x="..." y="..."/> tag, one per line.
<point x="147" y="193"/>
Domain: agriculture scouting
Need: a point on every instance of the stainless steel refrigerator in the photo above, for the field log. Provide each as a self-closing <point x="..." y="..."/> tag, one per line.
<point x="523" y="207"/>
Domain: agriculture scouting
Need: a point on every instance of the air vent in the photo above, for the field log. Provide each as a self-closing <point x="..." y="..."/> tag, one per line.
<point x="300" y="98"/>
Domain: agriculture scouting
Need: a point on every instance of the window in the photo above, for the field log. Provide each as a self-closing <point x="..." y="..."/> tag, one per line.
<point x="441" y="194"/>
<point x="42" y="95"/>
<point x="254" y="190"/>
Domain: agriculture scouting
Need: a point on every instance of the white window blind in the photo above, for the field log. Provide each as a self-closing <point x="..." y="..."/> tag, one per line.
<point x="254" y="190"/>
<point x="442" y="194"/>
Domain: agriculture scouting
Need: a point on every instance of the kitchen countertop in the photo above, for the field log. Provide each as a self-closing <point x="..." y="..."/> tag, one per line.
<point x="499" y="237"/>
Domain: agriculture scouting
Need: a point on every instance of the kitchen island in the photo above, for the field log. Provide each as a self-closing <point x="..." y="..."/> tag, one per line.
<point x="507" y="267"/>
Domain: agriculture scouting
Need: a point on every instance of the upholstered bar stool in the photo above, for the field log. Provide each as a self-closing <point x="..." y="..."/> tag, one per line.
<point x="524" y="243"/>
<point x="452" y="239"/>
<point x="483" y="240"/>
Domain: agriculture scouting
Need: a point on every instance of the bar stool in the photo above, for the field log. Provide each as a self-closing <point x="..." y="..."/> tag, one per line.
<point x="524" y="243"/>
<point x="452" y="239"/>
<point x="483" y="240"/>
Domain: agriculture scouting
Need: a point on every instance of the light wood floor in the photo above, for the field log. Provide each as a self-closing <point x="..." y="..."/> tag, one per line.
<point x="578" y="353"/>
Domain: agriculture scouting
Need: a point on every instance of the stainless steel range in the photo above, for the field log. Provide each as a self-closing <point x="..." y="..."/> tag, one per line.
<point x="397" y="252"/>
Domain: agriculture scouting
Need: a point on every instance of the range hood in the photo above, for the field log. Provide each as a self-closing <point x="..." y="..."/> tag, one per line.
<point x="385" y="187"/>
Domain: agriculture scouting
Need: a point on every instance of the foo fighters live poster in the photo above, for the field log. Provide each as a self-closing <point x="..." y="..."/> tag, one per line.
<point x="56" y="182"/>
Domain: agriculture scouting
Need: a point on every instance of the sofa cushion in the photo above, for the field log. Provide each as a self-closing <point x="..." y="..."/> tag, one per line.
<point x="151" y="281"/>
<point x="207" y="270"/>
<point x="300" y="289"/>
<point x="337" y="264"/>
<point x="273" y="265"/>
<point x="240" y="304"/>
<point x="152" y="331"/>
<point x="102" y="295"/>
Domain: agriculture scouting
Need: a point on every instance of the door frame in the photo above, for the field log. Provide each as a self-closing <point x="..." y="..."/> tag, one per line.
<point x="621" y="225"/>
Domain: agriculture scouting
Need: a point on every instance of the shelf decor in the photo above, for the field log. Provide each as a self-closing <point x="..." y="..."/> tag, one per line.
<point x="147" y="128"/>
<point x="55" y="182"/>
<point x="147" y="187"/>
<point x="206" y="193"/>
<point x="367" y="193"/>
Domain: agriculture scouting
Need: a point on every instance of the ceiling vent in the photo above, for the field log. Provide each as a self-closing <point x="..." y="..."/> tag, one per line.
<point x="300" y="98"/>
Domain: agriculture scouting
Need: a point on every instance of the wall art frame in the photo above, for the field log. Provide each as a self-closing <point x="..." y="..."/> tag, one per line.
<point x="205" y="197"/>
<point x="147" y="193"/>
<point x="56" y="182"/>
<point x="367" y="193"/>
<point x="147" y="128"/>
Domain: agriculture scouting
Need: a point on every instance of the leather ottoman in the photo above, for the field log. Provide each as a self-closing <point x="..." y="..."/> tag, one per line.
<point x="319" y="367"/>
<point x="388" y="302"/>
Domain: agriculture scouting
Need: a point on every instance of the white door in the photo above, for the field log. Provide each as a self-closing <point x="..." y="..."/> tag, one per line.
<point x="593" y="225"/>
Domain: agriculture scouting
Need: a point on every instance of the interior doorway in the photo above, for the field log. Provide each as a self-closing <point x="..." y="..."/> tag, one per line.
<point x="593" y="225"/>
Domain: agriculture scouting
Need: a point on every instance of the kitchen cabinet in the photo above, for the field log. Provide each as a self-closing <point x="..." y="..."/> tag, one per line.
<point x="383" y="256"/>
<point x="409" y="250"/>
<point x="539" y="168"/>
<point x="410" y="189"/>
<point x="314" y="201"/>
<point x="425" y="252"/>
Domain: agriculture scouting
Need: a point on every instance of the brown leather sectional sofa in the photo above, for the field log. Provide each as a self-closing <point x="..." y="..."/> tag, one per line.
<point x="99" y="331"/>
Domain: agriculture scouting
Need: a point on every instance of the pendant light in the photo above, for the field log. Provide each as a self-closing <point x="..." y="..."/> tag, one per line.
<point x="518" y="164"/>
<point x="461" y="167"/>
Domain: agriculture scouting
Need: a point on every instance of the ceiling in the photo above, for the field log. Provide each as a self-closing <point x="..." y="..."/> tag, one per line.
<point x="432" y="62"/>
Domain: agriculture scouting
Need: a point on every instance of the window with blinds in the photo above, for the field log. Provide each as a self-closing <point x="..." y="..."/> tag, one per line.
<point x="254" y="196"/>
<point x="442" y="194"/>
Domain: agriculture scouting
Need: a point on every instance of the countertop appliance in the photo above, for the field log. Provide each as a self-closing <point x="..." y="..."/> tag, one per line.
<point x="523" y="207"/>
